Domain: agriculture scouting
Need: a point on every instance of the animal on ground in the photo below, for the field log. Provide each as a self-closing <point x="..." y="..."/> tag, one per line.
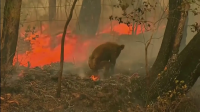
<point x="104" y="57"/>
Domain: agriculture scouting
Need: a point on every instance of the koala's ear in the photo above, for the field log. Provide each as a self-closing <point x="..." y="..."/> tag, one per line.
<point x="122" y="47"/>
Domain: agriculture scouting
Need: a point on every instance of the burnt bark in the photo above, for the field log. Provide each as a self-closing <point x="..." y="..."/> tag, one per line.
<point x="62" y="49"/>
<point x="183" y="42"/>
<point x="185" y="66"/>
<point x="165" y="51"/>
<point x="89" y="16"/>
<point x="9" y="37"/>
<point x="179" y="33"/>
<point x="52" y="10"/>
<point x="52" y="16"/>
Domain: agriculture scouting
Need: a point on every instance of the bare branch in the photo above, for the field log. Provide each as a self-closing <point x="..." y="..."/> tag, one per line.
<point x="62" y="49"/>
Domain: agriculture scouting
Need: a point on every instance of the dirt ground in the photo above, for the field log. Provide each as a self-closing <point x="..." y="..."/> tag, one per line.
<point x="34" y="90"/>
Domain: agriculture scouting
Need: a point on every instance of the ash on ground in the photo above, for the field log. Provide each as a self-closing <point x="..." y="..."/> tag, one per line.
<point x="35" y="89"/>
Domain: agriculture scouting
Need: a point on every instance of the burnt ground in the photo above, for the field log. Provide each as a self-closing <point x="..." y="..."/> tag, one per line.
<point x="35" y="89"/>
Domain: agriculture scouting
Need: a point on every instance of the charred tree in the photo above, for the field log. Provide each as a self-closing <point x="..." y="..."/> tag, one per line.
<point x="183" y="67"/>
<point x="175" y="66"/>
<point x="89" y="16"/>
<point x="181" y="24"/>
<point x="62" y="49"/>
<point x="2" y="6"/>
<point x="165" y="51"/>
<point x="183" y="42"/>
<point x="52" y="10"/>
<point x="9" y="37"/>
<point x="52" y="16"/>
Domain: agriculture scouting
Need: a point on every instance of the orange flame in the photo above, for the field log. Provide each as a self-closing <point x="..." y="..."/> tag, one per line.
<point x="43" y="54"/>
<point x="94" y="78"/>
<point x="121" y="29"/>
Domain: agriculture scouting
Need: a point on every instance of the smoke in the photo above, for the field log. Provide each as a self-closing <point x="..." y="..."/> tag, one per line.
<point x="81" y="73"/>
<point x="77" y="50"/>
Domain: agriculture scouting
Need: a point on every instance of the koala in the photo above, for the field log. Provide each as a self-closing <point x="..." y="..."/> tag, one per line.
<point x="105" y="56"/>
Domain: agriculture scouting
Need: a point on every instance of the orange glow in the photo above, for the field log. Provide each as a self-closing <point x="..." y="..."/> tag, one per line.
<point x="74" y="49"/>
<point x="94" y="78"/>
<point x="122" y="29"/>
<point x="42" y="54"/>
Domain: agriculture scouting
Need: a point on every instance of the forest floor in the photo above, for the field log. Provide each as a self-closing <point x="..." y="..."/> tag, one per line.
<point x="35" y="90"/>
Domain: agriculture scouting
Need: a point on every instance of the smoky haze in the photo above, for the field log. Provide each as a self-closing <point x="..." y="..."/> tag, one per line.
<point x="36" y="14"/>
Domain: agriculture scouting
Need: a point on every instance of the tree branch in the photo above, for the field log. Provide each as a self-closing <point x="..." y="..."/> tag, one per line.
<point x="62" y="49"/>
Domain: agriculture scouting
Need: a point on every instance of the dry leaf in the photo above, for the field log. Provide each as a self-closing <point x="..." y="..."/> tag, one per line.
<point x="76" y="95"/>
<point x="13" y="102"/>
<point x="8" y="96"/>
<point x="2" y="98"/>
<point x="165" y="69"/>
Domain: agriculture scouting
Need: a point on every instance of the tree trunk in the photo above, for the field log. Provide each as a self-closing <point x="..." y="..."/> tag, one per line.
<point x="89" y="17"/>
<point x="165" y="51"/>
<point x="183" y="42"/>
<point x="179" y="33"/>
<point x="186" y="67"/>
<point x="10" y="30"/>
<point x="62" y="49"/>
<point x="2" y="7"/>
<point x="52" y="10"/>
<point x="52" y="16"/>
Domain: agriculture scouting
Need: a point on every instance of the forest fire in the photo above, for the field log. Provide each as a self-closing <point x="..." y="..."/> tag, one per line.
<point x="121" y="29"/>
<point x="42" y="54"/>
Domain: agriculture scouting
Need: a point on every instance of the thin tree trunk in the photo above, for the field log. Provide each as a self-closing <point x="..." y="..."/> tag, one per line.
<point x="165" y="51"/>
<point x="89" y="17"/>
<point x="133" y="29"/>
<point x="10" y="30"/>
<point x="62" y="49"/>
<point x="185" y="67"/>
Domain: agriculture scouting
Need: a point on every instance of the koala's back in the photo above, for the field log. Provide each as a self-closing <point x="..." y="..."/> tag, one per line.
<point x="104" y="51"/>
